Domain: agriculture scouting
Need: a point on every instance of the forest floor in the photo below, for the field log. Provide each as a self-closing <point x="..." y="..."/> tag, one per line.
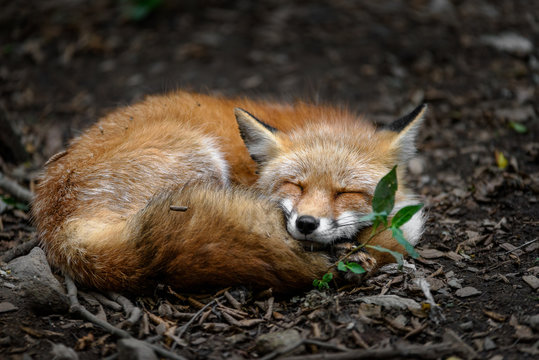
<point x="66" y="63"/>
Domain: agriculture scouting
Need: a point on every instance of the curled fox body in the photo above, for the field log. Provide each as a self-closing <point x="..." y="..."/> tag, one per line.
<point x="260" y="194"/>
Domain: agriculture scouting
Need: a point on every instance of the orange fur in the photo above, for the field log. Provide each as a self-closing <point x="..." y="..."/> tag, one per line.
<point x="102" y="207"/>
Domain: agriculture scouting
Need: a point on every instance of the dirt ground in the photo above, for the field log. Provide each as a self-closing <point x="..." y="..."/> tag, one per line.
<point x="64" y="63"/>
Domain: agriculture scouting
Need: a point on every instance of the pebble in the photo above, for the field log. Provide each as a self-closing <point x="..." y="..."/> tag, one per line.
<point x="533" y="321"/>
<point x="269" y="342"/>
<point x="466" y="326"/>
<point x="62" y="352"/>
<point x="509" y="42"/>
<point x="133" y="349"/>
<point x="7" y="307"/>
<point x="531" y="280"/>
<point x="489" y="344"/>
<point x="454" y="283"/>
<point x="467" y="291"/>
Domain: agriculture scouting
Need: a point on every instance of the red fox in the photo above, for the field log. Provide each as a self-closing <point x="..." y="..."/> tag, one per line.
<point x="270" y="202"/>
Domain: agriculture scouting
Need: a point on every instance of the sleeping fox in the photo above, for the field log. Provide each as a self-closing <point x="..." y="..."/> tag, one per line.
<point x="269" y="193"/>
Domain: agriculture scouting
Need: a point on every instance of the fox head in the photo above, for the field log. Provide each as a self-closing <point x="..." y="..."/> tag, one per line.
<point x="324" y="173"/>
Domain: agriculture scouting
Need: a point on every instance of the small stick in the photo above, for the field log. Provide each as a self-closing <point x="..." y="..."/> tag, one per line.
<point x="131" y="310"/>
<point x="287" y="349"/>
<point x="269" y="311"/>
<point x="107" y="302"/>
<point x="235" y="303"/>
<point x="409" y="351"/>
<point x="178" y="208"/>
<point x="77" y="308"/>
<point x="416" y="331"/>
<point x="11" y="187"/>
<point x="19" y="250"/>
<point x="184" y="328"/>
<point x="521" y="246"/>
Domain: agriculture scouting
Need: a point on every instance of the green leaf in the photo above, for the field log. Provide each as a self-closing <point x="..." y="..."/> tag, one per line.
<point x="368" y="217"/>
<point x="399" y="236"/>
<point x="403" y="215"/>
<point x="327" y="277"/>
<point x="384" y="194"/>
<point x="355" y="268"/>
<point x="341" y="266"/>
<point x="397" y="255"/>
<point x="518" y="127"/>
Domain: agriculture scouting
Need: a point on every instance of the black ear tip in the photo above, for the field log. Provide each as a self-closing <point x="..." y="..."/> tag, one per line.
<point x="404" y="121"/>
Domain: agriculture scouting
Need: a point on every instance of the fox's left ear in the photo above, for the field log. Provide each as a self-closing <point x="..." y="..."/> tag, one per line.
<point x="259" y="138"/>
<point x="407" y="128"/>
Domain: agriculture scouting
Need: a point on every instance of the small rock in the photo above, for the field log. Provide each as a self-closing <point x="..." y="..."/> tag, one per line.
<point x="267" y="343"/>
<point x="7" y="307"/>
<point x="489" y="344"/>
<point x="520" y="114"/>
<point x="534" y="270"/>
<point x="129" y="349"/>
<point x="44" y="293"/>
<point x="467" y="326"/>
<point x="416" y="166"/>
<point x="533" y="321"/>
<point x="509" y="42"/>
<point x="531" y="280"/>
<point x="454" y="283"/>
<point x="62" y="352"/>
<point x="467" y="291"/>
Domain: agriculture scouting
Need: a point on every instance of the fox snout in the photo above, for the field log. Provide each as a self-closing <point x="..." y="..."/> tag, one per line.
<point x="306" y="224"/>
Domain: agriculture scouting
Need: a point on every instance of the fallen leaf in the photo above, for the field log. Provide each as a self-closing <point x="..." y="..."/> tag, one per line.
<point x="391" y="301"/>
<point x="7" y="307"/>
<point x="467" y="291"/>
<point x="495" y="316"/>
<point x="501" y="160"/>
<point x="431" y="253"/>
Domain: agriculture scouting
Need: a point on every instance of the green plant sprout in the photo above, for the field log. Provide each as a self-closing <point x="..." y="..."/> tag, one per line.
<point x="383" y="203"/>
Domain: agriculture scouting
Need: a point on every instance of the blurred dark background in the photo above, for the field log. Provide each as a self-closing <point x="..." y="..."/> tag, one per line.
<point x="63" y="63"/>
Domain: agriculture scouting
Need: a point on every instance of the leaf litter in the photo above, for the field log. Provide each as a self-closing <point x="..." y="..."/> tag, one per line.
<point x="482" y="228"/>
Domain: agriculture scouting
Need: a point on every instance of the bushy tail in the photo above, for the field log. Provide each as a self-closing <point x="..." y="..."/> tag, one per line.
<point x="225" y="237"/>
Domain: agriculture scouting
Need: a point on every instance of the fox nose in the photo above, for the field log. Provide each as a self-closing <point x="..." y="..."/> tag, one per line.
<point x="306" y="224"/>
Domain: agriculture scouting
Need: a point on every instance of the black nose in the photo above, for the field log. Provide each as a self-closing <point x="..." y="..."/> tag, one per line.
<point x="306" y="224"/>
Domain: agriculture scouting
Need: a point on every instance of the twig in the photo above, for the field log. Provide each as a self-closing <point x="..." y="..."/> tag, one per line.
<point x="19" y="250"/>
<point x="80" y="310"/>
<point x="292" y="347"/>
<point x="416" y="331"/>
<point x="184" y="328"/>
<point x="106" y="301"/>
<point x="399" y="351"/>
<point x="11" y="187"/>
<point x="521" y="246"/>
<point x="269" y="311"/>
<point x="178" y="208"/>
<point x="131" y="310"/>
<point x="436" y="312"/>
<point x="235" y="303"/>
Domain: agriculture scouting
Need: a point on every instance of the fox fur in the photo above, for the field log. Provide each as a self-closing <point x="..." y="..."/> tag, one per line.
<point x="260" y="194"/>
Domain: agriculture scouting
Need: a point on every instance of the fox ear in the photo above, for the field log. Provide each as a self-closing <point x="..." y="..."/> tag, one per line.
<point x="407" y="128"/>
<point x="259" y="138"/>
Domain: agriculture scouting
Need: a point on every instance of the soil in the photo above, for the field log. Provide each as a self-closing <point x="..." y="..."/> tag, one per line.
<point x="66" y="63"/>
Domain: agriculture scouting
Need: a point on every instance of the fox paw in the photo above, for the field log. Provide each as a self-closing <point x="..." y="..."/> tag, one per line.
<point x="361" y="257"/>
